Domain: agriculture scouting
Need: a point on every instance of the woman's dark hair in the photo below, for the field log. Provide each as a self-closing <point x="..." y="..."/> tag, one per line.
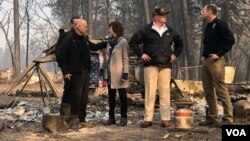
<point x="117" y="28"/>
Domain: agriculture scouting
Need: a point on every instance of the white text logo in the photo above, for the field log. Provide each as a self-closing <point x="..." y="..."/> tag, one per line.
<point x="236" y="132"/>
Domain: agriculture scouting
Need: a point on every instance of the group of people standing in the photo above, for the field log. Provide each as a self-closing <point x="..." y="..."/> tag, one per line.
<point x="161" y="46"/>
<point x="74" y="61"/>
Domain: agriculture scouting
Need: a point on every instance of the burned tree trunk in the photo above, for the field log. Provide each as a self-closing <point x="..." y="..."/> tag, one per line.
<point x="17" y="66"/>
<point x="248" y="71"/>
<point x="58" y="124"/>
<point x="146" y="10"/>
<point x="90" y="17"/>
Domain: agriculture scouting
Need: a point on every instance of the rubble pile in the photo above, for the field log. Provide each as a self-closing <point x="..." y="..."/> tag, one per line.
<point x="18" y="113"/>
<point x="21" y="113"/>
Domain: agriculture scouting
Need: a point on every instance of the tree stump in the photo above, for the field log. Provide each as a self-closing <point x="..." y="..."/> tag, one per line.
<point x="59" y="124"/>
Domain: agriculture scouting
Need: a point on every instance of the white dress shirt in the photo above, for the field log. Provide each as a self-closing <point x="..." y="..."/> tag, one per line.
<point x="160" y="30"/>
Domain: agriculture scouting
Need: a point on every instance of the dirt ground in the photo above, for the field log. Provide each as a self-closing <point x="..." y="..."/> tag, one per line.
<point x="18" y="129"/>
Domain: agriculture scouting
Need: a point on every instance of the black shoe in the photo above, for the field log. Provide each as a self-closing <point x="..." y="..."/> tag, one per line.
<point x="82" y="120"/>
<point x="110" y="122"/>
<point x="225" y="121"/>
<point x="146" y="124"/>
<point x="86" y="125"/>
<point x="123" y="122"/>
<point x="165" y="123"/>
<point x="209" y="122"/>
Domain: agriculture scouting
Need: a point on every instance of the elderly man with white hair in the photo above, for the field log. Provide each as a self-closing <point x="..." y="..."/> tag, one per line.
<point x="75" y="64"/>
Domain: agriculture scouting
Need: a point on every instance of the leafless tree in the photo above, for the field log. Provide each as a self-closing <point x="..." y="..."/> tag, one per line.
<point x="146" y="10"/>
<point x="248" y="71"/>
<point x="5" y="27"/>
<point x="90" y="17"/>
<point x="17" y="64"/>
<point x="28" y="6"/>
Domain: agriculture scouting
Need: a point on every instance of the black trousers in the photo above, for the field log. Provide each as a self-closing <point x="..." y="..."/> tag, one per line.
<point x="78" y="94"/>
<point x="66" y="92"/>
<point x="123" y="100"/>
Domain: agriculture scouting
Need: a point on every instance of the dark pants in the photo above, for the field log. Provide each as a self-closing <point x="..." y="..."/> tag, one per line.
<point x="78" y="94"/>
<point x="65" y="97"/>
<point x="214" y="87"/>
<point x="123" y="100"/>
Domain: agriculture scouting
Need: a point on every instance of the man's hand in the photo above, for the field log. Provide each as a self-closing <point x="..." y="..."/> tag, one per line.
<point x="124" y="76"/>
<point x="202" y="59"/>
<point x="67" y="76"/>
<point x="101" y="74"/>
<point x="172" y="58"/>
<point x="213" y="57"/>
<point x="145" y="58"/>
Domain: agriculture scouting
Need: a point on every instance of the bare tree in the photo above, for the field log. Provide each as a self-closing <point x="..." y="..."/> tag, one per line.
<point x="90" y="17"/>
<point x="28" y="33"/>
<point x="187" y="33"/>
<point x="83" y="8"/>
<point x="107" y="8"/>
<point x="146" y="10"/>
<point x="60" y="10"/>
<point x="17" y="66"/>
<point x="28" y="5"/>
<point x="248" y="70"/>
<point x="75" y="5"/>
<point x="44" y="16"/>
<point x="12" y="44"/>
<point x="224" y="11"/>
<point x="5" y="27"/>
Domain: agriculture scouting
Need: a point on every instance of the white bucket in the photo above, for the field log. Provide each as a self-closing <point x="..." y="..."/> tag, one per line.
<point x="229" y="74"/>
<point x="184" y="119"/>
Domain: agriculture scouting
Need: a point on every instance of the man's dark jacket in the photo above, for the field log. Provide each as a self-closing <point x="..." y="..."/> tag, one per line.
<point x="158" y="48"/>
<point x="59" y="42"/>
<point x="218" y="38"/>
<point x="75" y="53"/>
